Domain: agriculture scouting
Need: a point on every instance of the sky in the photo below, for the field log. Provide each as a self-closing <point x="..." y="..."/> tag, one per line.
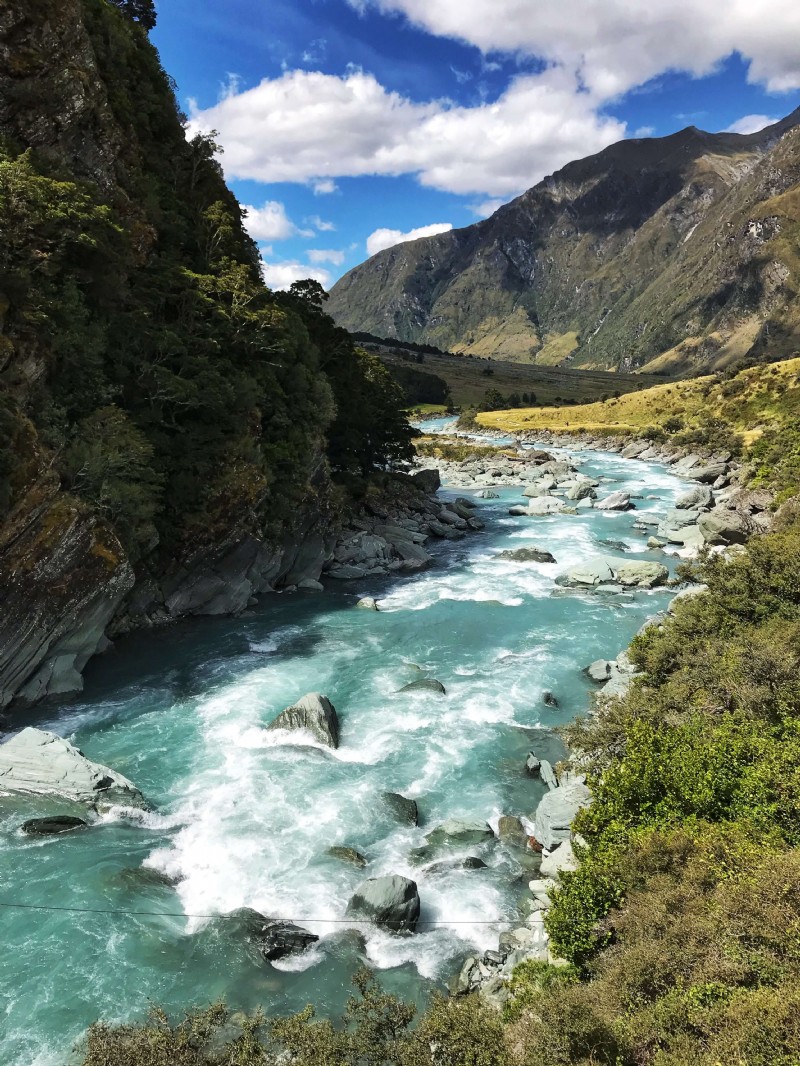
<point x="351" y="125"/>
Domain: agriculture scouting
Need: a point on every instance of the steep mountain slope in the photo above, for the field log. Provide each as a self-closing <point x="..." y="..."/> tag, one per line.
<point x="683" y="247"/>
<point x="169" y="428"/>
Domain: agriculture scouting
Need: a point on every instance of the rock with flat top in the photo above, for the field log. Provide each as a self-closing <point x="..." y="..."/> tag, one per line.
<point x="40" y="762"/>
<point x="556" y="811"/>
<point x="391" y="902"/>
<point x="314" y="714"/>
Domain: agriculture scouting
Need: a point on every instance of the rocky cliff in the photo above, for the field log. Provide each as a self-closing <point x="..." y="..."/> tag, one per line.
<point x="174" y="438"/>
<point x="671" y="253"/>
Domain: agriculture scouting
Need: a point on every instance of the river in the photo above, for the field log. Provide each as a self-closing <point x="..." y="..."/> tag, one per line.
<point x="244" y="819"/>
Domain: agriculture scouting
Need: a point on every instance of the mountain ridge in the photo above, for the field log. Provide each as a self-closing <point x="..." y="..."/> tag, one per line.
<point x="576" y="270"/>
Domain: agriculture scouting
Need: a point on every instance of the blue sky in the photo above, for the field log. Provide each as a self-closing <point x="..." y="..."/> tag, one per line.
<point x="349" y="124"/>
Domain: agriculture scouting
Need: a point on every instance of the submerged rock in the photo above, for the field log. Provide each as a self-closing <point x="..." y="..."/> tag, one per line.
<point x="276" y="940"/>
<point x="367" y="603"/>
<point x="403" y="809"/>
<point x="314" y="714"/>
<point x="617" y="501"/>
<point x="426" y="683"/>
<point x="527" y="555"/>
<point x="391" y="902"/>
<point x="471" y="862"/>
<point x="456" y="831"/>
<point x="549" y="699"/>
<point x="37" y="761"/>
<point x="511" y="831"/>
<point x="55" y="826"/>
<point x="348" y="855"/>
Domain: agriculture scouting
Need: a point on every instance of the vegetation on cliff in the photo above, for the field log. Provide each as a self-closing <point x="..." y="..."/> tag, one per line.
<point x="142" y="356"/>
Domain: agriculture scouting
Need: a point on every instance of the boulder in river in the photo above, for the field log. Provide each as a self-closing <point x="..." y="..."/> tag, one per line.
<point x="366" y="603"/>
<point x="391" y="902"/>
<point x="314" y="714"/>
<point x="556" y="811"/>
<point x="38" y="761"/>
<point x="425" y="684"/>
<point x="527" y="555"/>
<point x="642" y="574"/>
<point x="511" y="831"/>
<point x="600" y="670"/>
<point x="470" y="862"/>
<point x="276" y="940"/>
<point x="348" y="855"/>
<point x="549" y="699"/>
<point x="457" y="832"/>
<point x="589" y="573"/>
<point x="428" y="480"/>
<point x="617" y="501"/>
<point x="55" y="826"/>
<point x="544" y="505"/>
<point x="403" y="809"/>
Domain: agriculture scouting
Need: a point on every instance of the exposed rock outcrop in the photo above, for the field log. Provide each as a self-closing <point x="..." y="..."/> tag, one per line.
<point x="392" y="902"/>
<point x="314" y="714"/>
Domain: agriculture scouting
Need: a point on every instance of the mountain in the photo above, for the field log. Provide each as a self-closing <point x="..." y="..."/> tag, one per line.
<point x="174" y="438"/>
<point x="673" y="253"/>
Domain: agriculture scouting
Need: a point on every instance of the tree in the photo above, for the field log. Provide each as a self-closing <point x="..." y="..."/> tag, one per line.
<point x="141" y="11"/>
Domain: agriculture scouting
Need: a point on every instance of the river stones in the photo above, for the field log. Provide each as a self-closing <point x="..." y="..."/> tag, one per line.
<point x="532" y="764"/>
<point x="696" y="499"/>
<point x="549" y="699"/>
<point x="401" y="808"/>
<point x="425" y="684"/>
<point x="642" y="574"/>
<point x="589" y="573"/>
<point x="40" y="762"/>
<point x="600" y="670"/>
<point x="391" y="902"/>
<point x="314" y="714"/>
<point x="511" y="831"/>
<point x="366" y="603"/>
<point x="487" y="494"/>
<point x="722" y="526"/>
<point x="544" y="505"/>
<point x="445" y="866"/>
<point x="617" y="501"/>
<point x="559" y="860"/>
<point x="276" y="940"/>
<point x="600" y="571"/>
<point x="458" y="832"/>
<point x="556" y="811"/>
<point x="428" y="480"/>
<point x="581" y="490"/>
<point x="527" y="555"/>
<point x="54" y="826"/>
<point x="348" y="855"/>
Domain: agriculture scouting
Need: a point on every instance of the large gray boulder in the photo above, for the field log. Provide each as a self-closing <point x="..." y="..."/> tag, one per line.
<point x="591" y="572"/>
<point x="457" y="832"/>
<point x="722" y="526"/>
<point x="617" y="501"/>
<point x="40" y="762"/>
<point x="276" y="940"/>
<point x="527" y="555"/>
<point x="314" y="714"/>
<point x="556" y="811"/>
<point x="581" y="490"/>
<point x="391" y="902"/>
<point x="402" y="808"/>
<point x="642" y="574"/>
<point x="425" y="684"/>
<point x="544" y="505"/>
<point x="428" y="480"/>
<point x="696" y="499"/>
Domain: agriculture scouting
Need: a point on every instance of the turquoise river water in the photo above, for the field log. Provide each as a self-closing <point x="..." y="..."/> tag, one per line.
<point x="243" y="818"/>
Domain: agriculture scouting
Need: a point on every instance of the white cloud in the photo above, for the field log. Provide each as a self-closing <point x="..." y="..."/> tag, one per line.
<point x="325" y="187"/>
<point x="387" y="238"/>
<point x="644" y="131"/>
<point x="750" y="124"/>
<point x="616" y="44"/>
<point x="271" y="223"/>
<point x="282" y="275"/>
<point x="313" y="127"/>
<point x="320" y="224"/>
<point x="326" y="255"/>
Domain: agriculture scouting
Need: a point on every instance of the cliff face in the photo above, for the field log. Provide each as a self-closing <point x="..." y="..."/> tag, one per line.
<point x="681" y="247"/>
<point x="169" y="428"/>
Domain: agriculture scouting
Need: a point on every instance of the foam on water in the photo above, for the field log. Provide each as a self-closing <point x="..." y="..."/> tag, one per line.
<point x="245" y="816"/>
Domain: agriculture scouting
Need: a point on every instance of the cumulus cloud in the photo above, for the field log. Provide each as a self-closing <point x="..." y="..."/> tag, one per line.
<point x="486" y="208"/>
<point x="616" y="45"/>
<point x="321" y="224"/>
<point x="387" y="238"/>
<point x="312" y="127"/>
<point x="281" y="275"/>
<point x="750" y="124"/>
<point x="325" y="187"/>
<point x="271" y="223"/>
<point x="326" y="255"/>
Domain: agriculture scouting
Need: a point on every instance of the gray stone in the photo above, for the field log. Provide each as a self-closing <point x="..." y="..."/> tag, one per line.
<point x="556" y="811"/>
<point x="55" y="826"/>
<point x="642" y="574"/>
<point x="468" y="862"/>
<point x="533" y="765"/>
<point x="527" y="555"/>
<point x="348" y="855"/>
<point x="696" y="499"/>
<point x="511" y="831"/>
<point x="276" y="940"/>
<point x="549" y="699"/>
<point x="561" y="859"/>
<point x="581" y="490"/>
<point x="545" y="505"/>
<point x="428" y="480"/>
<point x="547" y="774"/>
<point x="600" y="670"/>
<point x="367" y="603"/>
<point x="617" y="501"/>
<point x="403" y="809"/>
<point x="314" y="714"/>
<point x="347" y="572"/>
<point x="722" y="526"/>
<point x="40" y="762"/>
<point x="425" y="684"/>
<point x="391" y="902"/>
<point x="589" y="573"/>
<point x="457" y="832"/>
